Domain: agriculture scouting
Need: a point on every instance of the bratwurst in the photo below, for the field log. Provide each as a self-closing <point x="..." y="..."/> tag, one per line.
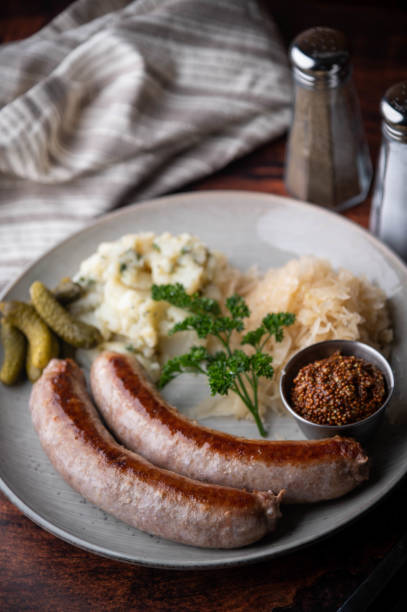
<point x="128" y="486"/>
<point x="138" y="416"/>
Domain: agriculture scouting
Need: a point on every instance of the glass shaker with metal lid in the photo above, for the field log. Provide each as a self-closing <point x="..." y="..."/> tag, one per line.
<point x="328" y="161"/>
<point x="389" y="206"/>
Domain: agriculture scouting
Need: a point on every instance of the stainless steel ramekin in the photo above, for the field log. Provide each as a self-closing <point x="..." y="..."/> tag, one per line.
<point x="360" y="430"/>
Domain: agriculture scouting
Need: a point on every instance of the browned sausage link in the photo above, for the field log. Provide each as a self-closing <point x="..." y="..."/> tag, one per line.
<point x="128" y="486"/>
<point x="309" y="471"/>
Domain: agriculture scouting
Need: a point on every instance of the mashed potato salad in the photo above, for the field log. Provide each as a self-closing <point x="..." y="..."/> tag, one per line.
<point x="117" y="279"/>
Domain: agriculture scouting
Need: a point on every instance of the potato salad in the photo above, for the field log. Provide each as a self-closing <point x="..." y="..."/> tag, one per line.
<point x="117" y="280"/>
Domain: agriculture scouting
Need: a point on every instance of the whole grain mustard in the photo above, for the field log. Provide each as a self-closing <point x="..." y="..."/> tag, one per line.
<point x="338" y="390"/>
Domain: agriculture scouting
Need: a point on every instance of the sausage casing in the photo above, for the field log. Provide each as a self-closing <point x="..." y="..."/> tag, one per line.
<point x="139" y="417"/>
<point x="127" y="485"/>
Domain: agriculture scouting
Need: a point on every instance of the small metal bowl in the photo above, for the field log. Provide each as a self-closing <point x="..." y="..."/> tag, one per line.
<point x="360" y="430"/>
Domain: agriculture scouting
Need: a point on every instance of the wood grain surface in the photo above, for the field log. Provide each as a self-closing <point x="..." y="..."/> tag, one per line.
<point x="40" y="572"/>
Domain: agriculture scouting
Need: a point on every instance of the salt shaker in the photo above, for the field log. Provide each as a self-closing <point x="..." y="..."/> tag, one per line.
<point x="328" y="161"/>
<point x="389" y="205"/>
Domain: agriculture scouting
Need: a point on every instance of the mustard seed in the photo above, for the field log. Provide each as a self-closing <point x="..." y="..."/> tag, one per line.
<point x="338" y="390"/>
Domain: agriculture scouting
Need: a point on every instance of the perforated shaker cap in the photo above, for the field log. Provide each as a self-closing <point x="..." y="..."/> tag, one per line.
<point x="320" y="55"/>
<point x="394" y="110"/>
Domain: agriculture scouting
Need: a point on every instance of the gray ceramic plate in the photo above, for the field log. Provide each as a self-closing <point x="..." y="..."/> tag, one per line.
<point x="250" y="228"/>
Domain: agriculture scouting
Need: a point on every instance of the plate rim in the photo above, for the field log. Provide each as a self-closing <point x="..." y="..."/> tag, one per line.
<point x="261" y="555"/>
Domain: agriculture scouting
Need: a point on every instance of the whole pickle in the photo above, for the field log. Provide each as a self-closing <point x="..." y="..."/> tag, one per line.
<point x="15" y="346"/>
<point x="25" y="317"/>
<point x="72" y="331"/>
<point x="33" y="372"/>
<point x="67" y="291"/>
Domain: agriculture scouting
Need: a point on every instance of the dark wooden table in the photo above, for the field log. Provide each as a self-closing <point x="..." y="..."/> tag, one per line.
<point x="40" y="572"/>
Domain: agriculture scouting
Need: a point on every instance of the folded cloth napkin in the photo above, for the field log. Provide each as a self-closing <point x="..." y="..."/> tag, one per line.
<point x="116" y="101"/>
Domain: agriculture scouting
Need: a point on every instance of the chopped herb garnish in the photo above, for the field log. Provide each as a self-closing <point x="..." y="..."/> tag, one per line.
<point x="86" y="282"/>
<point x="156" y="247"/>
<point x="227" y="369"/>
<point x="123" y="267"/>
<point x="185" y="250"/>
<point x="130" y="348"/>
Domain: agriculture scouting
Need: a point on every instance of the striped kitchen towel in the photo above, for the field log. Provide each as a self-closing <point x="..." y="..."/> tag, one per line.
<point x="116" y="101"/>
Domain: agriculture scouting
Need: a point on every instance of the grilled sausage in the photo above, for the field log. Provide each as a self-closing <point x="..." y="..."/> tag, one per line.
<point x="128" y="486"/>
<point x="309" y="471"/>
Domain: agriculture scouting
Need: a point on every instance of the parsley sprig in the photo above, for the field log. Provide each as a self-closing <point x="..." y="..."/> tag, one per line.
<point x="228" y="369"/>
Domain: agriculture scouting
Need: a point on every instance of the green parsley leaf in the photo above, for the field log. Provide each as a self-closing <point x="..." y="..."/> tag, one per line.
<point x="261" y="364"/>
<point x="253" y="337"/>
<point x="237" y="307"/>
<point x="202" y="325"/>
<point x="177" y="296"/>
<point x="189" y="362"/>
<point x="275" y="322"/>
<point x="220" y="377"/>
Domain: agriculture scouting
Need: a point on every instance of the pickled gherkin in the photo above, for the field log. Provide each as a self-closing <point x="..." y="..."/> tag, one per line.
<point x="33" y="372"/>
<point x="26" y="319"/>
<point x="15" y="347"/>
<point x="71" y="330"/>
<point x="67" y="291"/>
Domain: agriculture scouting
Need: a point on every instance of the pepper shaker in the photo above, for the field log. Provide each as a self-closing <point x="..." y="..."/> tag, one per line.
<point x="389" y="205"/>
<point x="328" y="161"/>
